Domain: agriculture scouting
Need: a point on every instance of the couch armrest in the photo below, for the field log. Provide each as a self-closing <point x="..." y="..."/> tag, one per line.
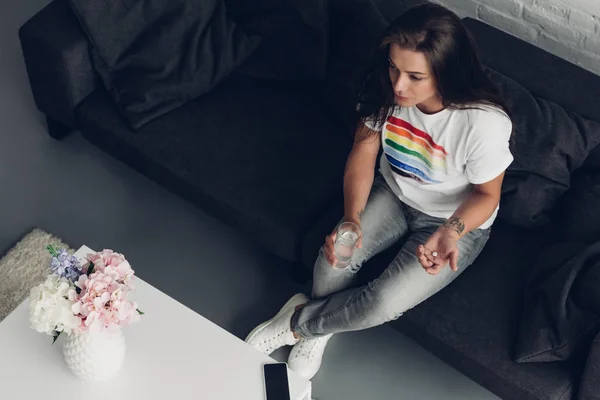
<point x="57" y="58"/>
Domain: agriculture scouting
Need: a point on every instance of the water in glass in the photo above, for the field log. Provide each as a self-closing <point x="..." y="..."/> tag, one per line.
<point x="344" y="247"/>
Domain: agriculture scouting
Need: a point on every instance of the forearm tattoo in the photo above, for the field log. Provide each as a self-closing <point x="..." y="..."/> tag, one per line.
<point x="360" y="214"/>
<point x="456" y="224"/>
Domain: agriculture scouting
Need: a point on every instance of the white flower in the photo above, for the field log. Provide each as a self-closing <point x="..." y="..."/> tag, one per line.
<point x="50" y="307"/>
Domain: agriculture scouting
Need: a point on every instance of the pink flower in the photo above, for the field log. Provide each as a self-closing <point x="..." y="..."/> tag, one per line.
<point x="114" y="265"/>
<point x="102" y="302"/>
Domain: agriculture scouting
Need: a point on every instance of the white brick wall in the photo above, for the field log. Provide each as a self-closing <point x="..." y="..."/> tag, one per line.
<point x="568" y="28"/>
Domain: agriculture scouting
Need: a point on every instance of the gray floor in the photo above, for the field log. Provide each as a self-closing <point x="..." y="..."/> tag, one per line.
<point x="75" y="191"/>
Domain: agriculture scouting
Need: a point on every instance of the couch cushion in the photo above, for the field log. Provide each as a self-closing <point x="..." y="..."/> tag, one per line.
<point x="472" y="324"/>
<point x="590" y="381"/>
<point x="354" y="31"/>
<point x="155" y="55"/>
<point x="561" y="312"/>
<point x="593" y="161"/>
<point x="550" y="143"/>
<point x="264" y="159"/>
<point x="578" y="211"/>
<point x="293" y="35"/>
<point x="545" y="75"/>
<point x="561" y="95"/>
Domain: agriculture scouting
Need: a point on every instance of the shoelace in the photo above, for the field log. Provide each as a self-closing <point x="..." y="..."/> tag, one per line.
<point x="273" y="341"/>
<point x="308" y="347"/>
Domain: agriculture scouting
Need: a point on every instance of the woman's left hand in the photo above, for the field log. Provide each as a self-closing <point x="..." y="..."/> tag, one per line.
<point x="444" y="244"/>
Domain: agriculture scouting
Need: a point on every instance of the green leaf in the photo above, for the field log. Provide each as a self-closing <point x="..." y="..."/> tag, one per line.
<point x="140" y="312"/>
<point x="52" y="250"/>
<point x="56" y="337"/>
<point x="90" y="269"/>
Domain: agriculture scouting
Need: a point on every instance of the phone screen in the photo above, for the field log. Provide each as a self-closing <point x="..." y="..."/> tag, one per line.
<point x="276" y="381"/>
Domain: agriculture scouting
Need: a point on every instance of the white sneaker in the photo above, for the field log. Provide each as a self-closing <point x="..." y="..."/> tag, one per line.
<point x="276" y="332"/>
<point x="306" y="356"/>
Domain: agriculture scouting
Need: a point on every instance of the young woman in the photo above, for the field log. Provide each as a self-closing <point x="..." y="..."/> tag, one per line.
<point x="445" y="134"/>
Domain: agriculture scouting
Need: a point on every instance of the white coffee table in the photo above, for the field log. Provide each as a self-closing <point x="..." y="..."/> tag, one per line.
<point x="172" y="353"/>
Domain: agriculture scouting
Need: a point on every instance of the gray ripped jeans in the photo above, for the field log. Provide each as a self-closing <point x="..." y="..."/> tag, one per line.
<point x="338" y="306"/>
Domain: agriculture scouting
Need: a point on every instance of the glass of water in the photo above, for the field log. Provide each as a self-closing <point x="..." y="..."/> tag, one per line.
<point x="345" y="242"/>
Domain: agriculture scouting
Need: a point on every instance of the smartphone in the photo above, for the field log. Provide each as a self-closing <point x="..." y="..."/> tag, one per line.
<point x="276" y="381"/>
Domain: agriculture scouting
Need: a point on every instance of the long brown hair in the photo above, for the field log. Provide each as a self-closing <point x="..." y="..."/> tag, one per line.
<point x="449" y="48"/>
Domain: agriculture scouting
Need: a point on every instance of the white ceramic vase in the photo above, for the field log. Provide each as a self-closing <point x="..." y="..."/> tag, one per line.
<point x="95" y="355"/>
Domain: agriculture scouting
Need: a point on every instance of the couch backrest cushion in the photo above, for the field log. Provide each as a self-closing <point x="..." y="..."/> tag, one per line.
<point x="550" y="143"/>
<point x="355" y="27"/>
<point x="543" y="74"/>
<point x="155" y="55"/>
<point x="556" y="106"/>
<point x="593" y="161"/>
<point x="559" y="317"/>
<point x="294" y="38"/>
<point x="354" y="30"/>
<point x="578" y="211"/>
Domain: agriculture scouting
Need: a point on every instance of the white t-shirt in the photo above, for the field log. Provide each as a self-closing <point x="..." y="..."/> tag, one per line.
<point x="432" y="161"/>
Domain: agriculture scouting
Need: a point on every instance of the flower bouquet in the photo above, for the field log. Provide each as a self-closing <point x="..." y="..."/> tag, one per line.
<point x="89" y="303"/>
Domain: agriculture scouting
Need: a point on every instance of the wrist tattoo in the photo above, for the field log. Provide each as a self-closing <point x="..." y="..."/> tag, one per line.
<point x="456" y="224"/>
<point x="360" y="214"/>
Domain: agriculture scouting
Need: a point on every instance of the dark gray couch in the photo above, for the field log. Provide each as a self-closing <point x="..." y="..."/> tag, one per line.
<point x="242" y="171"/>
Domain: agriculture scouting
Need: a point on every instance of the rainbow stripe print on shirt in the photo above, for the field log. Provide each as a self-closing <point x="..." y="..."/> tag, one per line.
<point x="411" y="152"/>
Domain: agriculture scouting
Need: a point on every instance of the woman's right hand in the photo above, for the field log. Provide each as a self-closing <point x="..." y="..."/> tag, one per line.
<point x="329" y="247"/>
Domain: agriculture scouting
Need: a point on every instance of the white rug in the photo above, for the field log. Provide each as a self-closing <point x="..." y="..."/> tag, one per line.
<point x="23" y="267"/>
